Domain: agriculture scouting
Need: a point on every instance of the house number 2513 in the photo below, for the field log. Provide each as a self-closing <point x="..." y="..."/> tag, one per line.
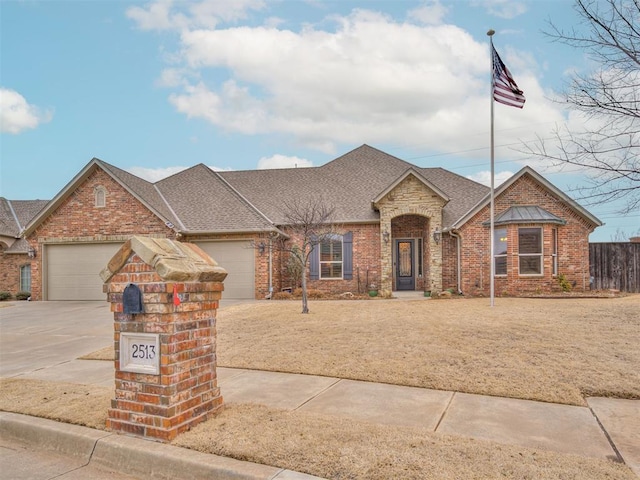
<point x="143" y="351"/>
<point x="140" y="352"/>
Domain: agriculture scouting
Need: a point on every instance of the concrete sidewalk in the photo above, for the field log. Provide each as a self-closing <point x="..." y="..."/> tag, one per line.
<point x="606" y="429"/>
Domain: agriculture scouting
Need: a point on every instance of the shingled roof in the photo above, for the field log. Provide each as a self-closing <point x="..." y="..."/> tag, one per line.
<point x="255" y="200"/>
<point x="350" y="183"/>
<point x="15" y="214"/>
<point x="204" y="202"/>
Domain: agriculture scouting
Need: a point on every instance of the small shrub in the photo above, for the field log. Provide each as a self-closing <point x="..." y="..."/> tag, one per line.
<point x="5" y="296"/>
<point x="23" y="295"/>
<point x="282" y="296"/>
<point x="315" y="294"/>
<point x="564" y="283"/>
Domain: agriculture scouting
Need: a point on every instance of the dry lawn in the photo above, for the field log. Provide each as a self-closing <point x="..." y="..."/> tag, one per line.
<point x="319" y="445"/>
<point x="550" y="350"/>
<point x="553" y="350"/>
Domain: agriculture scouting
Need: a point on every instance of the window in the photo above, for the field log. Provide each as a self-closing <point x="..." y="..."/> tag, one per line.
<point x="530" y="251"/>
<point x="554" y="251"/>
<point x="331" y="257"/>
<point x="25" y="278"/>
<point x="101" y="196"/>
<point x="500" y="250"/>
<point x="334" y="257"/>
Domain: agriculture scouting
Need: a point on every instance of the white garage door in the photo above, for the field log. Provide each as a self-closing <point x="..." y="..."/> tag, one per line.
<point x="237" y="258"/>
<point x="73" y="271"/>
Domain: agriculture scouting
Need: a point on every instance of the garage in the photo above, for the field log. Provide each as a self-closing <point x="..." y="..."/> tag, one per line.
<point x="237" y="258"/>
<point x="72" y="272"/>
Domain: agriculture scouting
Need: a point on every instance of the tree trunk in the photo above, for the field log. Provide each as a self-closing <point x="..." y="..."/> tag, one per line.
<point x="305" y="304"/>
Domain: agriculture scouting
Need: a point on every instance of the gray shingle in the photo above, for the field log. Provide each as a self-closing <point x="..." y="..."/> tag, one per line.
<point x="349" y="184"/>
<point x="204" y="202"/>
<point x="24" y="211"/>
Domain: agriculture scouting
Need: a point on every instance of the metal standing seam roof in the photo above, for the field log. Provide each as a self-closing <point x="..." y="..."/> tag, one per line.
<point x="526" y="214"/>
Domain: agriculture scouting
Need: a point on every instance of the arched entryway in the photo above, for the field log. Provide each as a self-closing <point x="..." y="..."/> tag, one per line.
<point x="410" y="252"/>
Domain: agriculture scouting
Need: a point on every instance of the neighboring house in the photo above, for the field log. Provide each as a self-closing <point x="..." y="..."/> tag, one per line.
<point x="402" y="227"/>
<point x="15" y="254"/>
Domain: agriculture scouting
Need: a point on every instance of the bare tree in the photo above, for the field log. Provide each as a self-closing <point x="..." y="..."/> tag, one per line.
<point x="308" y="223"/>
<point x="608" y="97"/>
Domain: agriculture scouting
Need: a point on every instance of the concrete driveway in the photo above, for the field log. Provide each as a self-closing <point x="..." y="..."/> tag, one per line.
<point x="37" y="335"/>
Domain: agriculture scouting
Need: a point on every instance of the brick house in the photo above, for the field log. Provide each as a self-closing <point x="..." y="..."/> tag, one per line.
<point x="402" y="227"/>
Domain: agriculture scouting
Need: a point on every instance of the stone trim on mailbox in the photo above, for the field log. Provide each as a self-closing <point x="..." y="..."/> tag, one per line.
<point x="165" y="362"/>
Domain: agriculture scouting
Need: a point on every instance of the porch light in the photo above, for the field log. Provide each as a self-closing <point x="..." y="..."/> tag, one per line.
<point x="437" y="235"/>
<point x="261" y="248"/>
<point x="385" y="236"/>
<point x="31" y="253"/>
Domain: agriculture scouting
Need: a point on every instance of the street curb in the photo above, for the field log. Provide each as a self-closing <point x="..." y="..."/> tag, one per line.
<point x="134" y="456"/>
<point x="40" y="433"/>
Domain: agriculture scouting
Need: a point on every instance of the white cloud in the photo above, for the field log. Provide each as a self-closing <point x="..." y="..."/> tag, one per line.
<point x="155" y="174"/>
<point x="166" y="14"/>
<point x="16" y="115"/>
<point x="502" y="8"/>
<point x="484" y="177"/>
<point x="366" y="78"/>
<point x="430" y="13"/>
<point x="283" y="161"/>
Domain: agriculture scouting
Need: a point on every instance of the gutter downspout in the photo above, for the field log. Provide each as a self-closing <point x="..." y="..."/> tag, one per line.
<point x="270" y="267"/>
<point x="459" y="253"/>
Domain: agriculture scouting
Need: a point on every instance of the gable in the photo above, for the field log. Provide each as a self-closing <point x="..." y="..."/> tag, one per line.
<point x="412" y="187"/>
<point x="528" y="188"/>
<point x="78" y="216"/>
<point x="411" y="194"/>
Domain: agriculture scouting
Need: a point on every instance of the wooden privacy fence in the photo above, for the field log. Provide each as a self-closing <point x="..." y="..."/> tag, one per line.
<point x="615" y="265"/>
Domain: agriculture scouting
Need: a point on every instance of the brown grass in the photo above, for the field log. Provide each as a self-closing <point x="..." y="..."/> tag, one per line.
<point x="317" y="444"/>
<point x="553" y="350"/>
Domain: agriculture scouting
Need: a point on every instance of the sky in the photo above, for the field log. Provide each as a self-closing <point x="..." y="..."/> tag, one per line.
<point x="155" y="87"/>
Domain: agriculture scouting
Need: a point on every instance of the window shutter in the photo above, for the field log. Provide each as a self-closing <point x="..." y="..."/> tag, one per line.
<point x="347" y="255"/>
<point x="314" y="260"/>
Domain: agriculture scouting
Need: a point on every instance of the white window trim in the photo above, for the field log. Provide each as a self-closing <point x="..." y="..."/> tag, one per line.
<point x="505" y="255"/>
<point x="540" y="255"/>
<point x="333" y="238"/>
<point x="23" y="268"/>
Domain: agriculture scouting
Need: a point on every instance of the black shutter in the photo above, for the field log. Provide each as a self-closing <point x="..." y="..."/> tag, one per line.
<point x="347" y="256"/>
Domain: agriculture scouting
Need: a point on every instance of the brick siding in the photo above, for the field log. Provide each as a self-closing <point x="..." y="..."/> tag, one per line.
<point x="573" y="246"/>
<point x="10" y="264"/>
<point x="78" y="220"/>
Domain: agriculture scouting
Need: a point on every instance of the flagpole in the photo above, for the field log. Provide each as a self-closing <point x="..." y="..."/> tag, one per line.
<point x="491" y="212"/>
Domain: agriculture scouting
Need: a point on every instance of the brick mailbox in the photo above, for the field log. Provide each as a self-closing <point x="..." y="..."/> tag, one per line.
<point x="164" y="297"/>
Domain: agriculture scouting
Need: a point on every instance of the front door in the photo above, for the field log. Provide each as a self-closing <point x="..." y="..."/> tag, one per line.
<point x="405" y="276"/>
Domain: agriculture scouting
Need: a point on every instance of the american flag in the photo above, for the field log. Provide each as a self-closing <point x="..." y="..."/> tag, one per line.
<point x="505" y="89"/>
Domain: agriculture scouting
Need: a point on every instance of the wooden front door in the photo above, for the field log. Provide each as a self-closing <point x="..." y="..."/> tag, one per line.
<point x="405" y="274"/>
